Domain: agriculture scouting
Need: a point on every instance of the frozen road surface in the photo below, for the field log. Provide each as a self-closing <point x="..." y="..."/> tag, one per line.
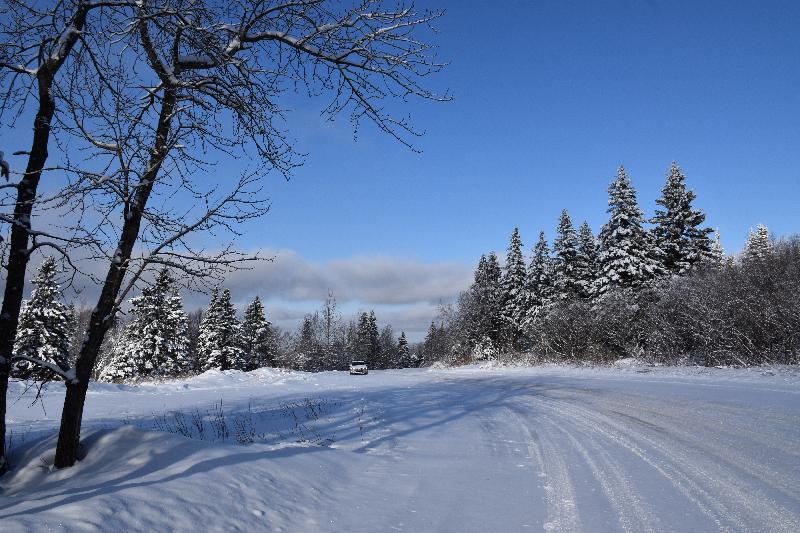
<point x="471" y="449"/>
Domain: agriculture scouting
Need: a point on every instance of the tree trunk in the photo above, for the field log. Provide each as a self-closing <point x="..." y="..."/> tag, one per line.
<point x="67" y="450"/>
<point x="18" y="252"/>
<point x="103" y="314"/>
<point x="26" y="194"/>
<point x="3" y="391"/>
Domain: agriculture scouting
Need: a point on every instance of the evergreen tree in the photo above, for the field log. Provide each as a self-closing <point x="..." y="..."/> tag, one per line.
<point x="759" y="247"/>
<point x="484" y="315"/>
<point x="565" y="264"/>
<point x="373" y="339"/>
<point x="45" y="326"/>
<point x="155" y="342"/>
<point x="306" y="348"/>
<point x="403" y="352"/>
<point x="677" y="233"/>
<point x="541" y="287"/>
<point x="367" y="338"/>
<point x="515" y="301"/>
<point x="717" y="256"/>
<point x="586" y="261"/>
<point x="625" y="258"/>
<point x="434" y="347"/>
<point x="387" y="349"/>
<point x="493" y="299"/>
<point x="256" y="338"/>
<point x="475" y="318"/>
<point x="218" y="342"/>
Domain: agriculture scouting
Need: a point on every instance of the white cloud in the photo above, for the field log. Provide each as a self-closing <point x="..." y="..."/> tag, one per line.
<point x="370" y="280"/>
<point x="404" y="293"/>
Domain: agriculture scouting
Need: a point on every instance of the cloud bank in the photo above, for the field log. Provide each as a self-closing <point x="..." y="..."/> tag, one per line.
<point x="403" y="292"/>
<point x="369" y="280"/>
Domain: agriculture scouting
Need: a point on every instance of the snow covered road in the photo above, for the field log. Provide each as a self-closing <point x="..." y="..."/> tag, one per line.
<point x="541" y="449"/>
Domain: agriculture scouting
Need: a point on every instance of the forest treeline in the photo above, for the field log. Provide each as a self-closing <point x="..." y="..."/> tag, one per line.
<point x="658" y="289"/>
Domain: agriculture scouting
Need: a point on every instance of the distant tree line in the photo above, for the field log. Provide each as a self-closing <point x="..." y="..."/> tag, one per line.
<point x="660" y="289"/>
<point x="160" y="340"/>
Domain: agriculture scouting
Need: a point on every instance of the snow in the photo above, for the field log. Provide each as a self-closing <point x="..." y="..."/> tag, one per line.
<point x="477" y="448"/>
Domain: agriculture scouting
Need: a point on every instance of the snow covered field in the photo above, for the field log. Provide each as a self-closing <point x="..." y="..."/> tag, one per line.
<point x="471" y="449"/>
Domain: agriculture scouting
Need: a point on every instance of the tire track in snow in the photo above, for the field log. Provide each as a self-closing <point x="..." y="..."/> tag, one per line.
<point x="684" y="485"/>
<point x="718" y="494"/>
<point x="562" y="511"/>
<point x="632" y="513"/>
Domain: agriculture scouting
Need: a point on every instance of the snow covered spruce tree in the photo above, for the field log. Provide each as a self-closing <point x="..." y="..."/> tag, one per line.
<point x="484" y="318"/>
<point x="403" y="351"/>
<point x="305" y="356"/>
<point x="678" y="233"/>
<point x="155" y="343"/>
<point x="368" y="338"/>
<point x="470" y="305"/>
<point x="759" y="246"/>
<point x="586" y="261"/>
<point x="515" y="297"/>
<point x="216" y="73"/>
<point x="387" y="349"/>
<point x="541" y="287"/>
<point x="45" y="328"/>
<point x="435" y="347"/>
<point x="716" y="257"/>
<point x="625" y="259"/>
<point x="256" y="339"/>
<point x="218" y="340"/>
<point x="565" y="261"/>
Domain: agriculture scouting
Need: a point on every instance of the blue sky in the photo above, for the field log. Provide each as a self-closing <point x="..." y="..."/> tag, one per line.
<point x="549" y="98"/>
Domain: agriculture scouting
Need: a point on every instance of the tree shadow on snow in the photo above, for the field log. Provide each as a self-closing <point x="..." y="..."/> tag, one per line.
<point x="404" y="411"/>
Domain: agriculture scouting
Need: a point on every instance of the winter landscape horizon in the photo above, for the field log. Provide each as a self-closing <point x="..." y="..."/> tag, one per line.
<point x="368" y="265"/>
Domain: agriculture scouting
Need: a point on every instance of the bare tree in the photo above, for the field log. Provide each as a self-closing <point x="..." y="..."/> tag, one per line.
<point x="36" y="41"/>
<point x="201" y="80"/>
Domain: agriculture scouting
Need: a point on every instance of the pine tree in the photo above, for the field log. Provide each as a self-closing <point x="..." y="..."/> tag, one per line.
<point x="373" y="338"/>
<point x="486" y="293"/>
<point x="305" y="350"/>
<point x="493" y="298"/>
<point x="475" y="318"/>
<point x="541" y="287"/>
<point x="434" y="347"/>
<point x="565" y="264"/>
<point x="586" y="261"/>
<point x="256" y="338"/>
<point x="717" y="256"/>
<point x="759" y="247"/>
<point x="515" y="301"/>
<point x="387" y="348"/>
<point x="156" y="341"/>
<point x="625" y="258"/>
<point x="44" y="326"/>
<point x="403" y="352"/>
<point x="367" y="338"/>
<point x="677" y="233"/>
<point x="218" y="339"/>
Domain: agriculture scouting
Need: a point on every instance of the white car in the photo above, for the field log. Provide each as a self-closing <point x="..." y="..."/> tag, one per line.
<point x="358" y="367"/>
